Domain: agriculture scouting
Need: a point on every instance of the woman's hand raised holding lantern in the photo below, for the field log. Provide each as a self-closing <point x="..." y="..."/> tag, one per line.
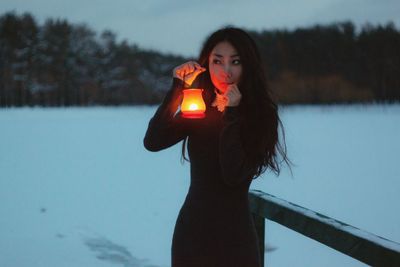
<point x="188" y="71"/>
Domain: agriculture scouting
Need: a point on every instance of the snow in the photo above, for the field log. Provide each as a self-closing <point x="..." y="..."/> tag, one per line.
<point x="77" y="188"/>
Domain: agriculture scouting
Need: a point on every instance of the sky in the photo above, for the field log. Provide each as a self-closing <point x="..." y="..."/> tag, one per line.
<point x="180" y="27"/>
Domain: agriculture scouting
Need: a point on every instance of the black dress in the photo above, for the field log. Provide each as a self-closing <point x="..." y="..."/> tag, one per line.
<point x="214" y="226"/>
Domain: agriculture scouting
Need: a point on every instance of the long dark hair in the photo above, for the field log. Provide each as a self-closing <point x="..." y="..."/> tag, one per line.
<point x="260" y="123"/>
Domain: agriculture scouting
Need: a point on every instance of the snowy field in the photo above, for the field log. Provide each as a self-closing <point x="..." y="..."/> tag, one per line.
<point x="77" y="188"/>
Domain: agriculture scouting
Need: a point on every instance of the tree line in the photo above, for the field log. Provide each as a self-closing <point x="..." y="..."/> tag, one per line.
<point x="333" y="63"/>
<point x="63" y="64"/>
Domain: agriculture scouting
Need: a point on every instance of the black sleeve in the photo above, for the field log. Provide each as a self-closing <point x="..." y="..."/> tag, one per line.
<point x="235" y="167"/>
<point x="166" y="128"/>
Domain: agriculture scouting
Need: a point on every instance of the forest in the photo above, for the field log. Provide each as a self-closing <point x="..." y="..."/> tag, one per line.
<point x="64" y="64"/>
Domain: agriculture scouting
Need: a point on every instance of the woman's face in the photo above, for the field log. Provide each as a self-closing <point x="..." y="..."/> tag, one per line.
<point x="225" y="66"/>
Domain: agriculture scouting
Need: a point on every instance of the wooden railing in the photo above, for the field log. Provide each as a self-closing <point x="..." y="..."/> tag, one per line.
<point x="358" y="244"/>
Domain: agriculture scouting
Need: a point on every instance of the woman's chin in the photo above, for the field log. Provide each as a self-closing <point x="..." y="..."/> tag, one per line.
<point x="221" y="89"/>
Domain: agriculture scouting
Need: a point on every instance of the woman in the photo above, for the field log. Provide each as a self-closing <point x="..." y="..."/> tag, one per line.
<point x="236" y="142"/>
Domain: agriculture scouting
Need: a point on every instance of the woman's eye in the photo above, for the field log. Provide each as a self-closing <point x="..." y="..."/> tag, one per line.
<point x="217" y="61"/>
<point x="236" y="62"/>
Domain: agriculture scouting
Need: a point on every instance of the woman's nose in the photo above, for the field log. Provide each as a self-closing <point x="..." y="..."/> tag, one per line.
<point x="227" y="72"/>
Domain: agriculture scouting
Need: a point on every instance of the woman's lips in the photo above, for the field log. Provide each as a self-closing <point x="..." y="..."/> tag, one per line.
<point x="224" y="85"/>
<point x="227" y="83"/>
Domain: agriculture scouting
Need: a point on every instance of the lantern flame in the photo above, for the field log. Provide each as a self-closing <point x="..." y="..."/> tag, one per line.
<point x="193" y="107"/>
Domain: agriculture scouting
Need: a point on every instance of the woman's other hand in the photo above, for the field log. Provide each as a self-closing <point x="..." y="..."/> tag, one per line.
<point x="188" y="71"/>
<point x="233" y="96"/>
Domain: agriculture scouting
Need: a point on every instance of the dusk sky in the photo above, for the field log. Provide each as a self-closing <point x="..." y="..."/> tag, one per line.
<point x="180" y="27"/>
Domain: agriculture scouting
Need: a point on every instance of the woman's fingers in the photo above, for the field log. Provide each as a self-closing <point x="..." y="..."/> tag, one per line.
<point x="189" y="68"/>
<point x="195" y="68"/>
<point x="233" y="90"/>
<point x="188" y="71"/>
<point x="233" y="95"/>
<point x="199" y="67"/>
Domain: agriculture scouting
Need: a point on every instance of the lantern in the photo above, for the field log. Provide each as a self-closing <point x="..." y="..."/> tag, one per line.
<point x="193" y="105"/>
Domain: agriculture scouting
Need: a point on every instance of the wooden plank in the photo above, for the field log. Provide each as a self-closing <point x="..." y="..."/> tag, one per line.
<point x="356" y="243"/>
<point x="260" y="228"/>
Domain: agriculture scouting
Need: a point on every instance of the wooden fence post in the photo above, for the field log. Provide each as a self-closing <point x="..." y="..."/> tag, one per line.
<point x="259" y="223"/>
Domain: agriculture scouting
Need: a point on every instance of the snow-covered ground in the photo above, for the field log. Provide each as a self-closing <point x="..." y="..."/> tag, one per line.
<point x="77" y="188"/>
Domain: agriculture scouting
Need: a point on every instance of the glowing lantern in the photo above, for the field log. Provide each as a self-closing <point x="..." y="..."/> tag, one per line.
<point x="193" y="105"/>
